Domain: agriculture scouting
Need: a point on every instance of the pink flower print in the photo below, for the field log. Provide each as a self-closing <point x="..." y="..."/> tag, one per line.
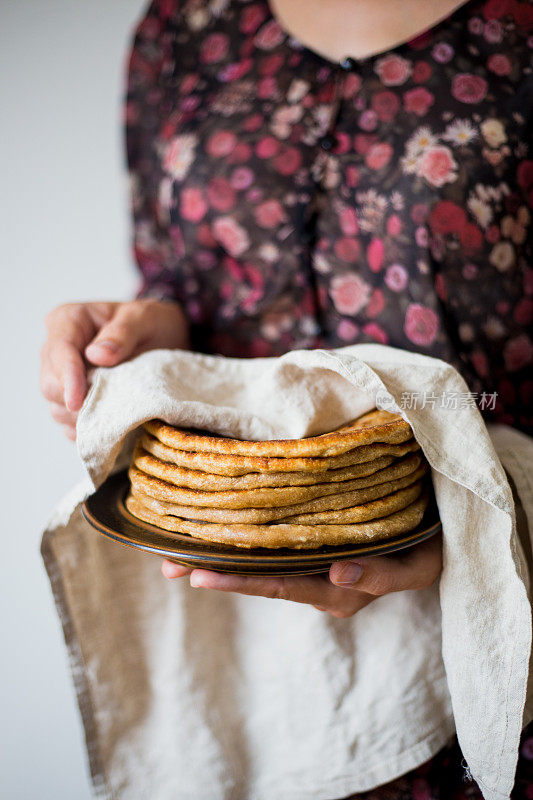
<point x="192" y="204"/>
<point x="179" y="154"/>
<point x="437" y="165"/>
<point x="421" y="236"/>
<point x="499" y="64"/>
<point x="347" y="330"/>
<point x="518" y="352"/>
<point x="241" y="178"/>
<point x="442" y="52"/>
<point x="214" y="48"/>
<point x="469" y="88"/>
<point x="396" y="277"/>
<point x="221" y="143"/>
<point x="475" y="25"/>
<point x="493" y="31"/>
<point x="375" y="254"/>
<point x="394" y="225"/>
<point x="349" y="293"/>
<point x="348" y="221"/>
<point x="231" y="235"/>
<point x="368" y="120"/>
<point x="269" y="214"/>
<point x="421" y="324"/>
<point x="419" y="213"/>
<point x="393" y="70"/>
<point x="269" y="36"/>
<point x="418" y="101"/>
<point x="378" y="155"/>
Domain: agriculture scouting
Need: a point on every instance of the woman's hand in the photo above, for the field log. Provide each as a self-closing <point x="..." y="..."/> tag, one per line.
<point x="346" y="589"/>
<point x="100" y="334"/>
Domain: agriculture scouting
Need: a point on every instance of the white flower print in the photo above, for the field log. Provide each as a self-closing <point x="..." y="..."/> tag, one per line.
<point x="481" y="210"/>
<point x="459" y="132"/>
<point x="502" y="256"/>
<point x="421" y="139"/>
<point x="179" y="154"/>
<point x="493" y="132"/>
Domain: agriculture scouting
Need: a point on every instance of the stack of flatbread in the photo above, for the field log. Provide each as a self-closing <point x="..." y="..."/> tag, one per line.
<point x="365" y="481"/>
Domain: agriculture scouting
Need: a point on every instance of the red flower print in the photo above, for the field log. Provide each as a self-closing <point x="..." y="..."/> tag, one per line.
<point x="363" y="142"/>
<point x="214" y="48"/>
<point x="269" y="214"/>
<point x="469" y="88"/>
<point x="349" y="293"/>
<point x="494" y="9"/>
<point x="470" y="237"/>
<point x="385" y="104"/>
<point x="192" y="204"/>
<point x="422" y="71"/>
<point x="499" y="64"/>
<point x="393" y="70"/>
<point x="220" y="194"/>
<point x="524" y="175"/>
<point x="269" y="36"/>
<point x="347" y="249"/>
<point x="376" y="304"/>
<point x="418" y="101"/>
<point x="267" y="147"/>
<point x="421" y="324"/>
<point x="378" y="155"/>
<point x="252" y="17"/>
<point x="375" y="254"/>
<point x="518" y="352"/>
<point x="376" y="333"/>
<point x="437" y="165"/>
<point x="523" y="312"/>
<point x="288" y="162"/>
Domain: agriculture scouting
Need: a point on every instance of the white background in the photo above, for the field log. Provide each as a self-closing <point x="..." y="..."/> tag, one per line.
<point x="64" y="234"/>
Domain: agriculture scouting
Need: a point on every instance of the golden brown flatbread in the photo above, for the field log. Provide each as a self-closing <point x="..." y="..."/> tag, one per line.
<point x="215" y="463"/>
<point x="376" y="426"/>
<point x="153" y="465"/>
<point x="286" y="534"/>
<point x="357" y="502"/>
<point x="259" y="498"/>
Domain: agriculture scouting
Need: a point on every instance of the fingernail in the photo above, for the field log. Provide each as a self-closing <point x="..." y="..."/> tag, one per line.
<point x="195" y="582"/>
<point x="113" y="347"/>
<point x="348" y="574"/>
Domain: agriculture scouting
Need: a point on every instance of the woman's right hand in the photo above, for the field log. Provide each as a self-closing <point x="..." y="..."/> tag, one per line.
<point x="101" y="334"/>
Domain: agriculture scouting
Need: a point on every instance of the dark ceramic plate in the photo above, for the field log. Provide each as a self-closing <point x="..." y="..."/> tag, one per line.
<point x="105" y="511"/>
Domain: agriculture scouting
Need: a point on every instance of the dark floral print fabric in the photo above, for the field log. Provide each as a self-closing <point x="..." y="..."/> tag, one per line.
<point x="289" y="201"/>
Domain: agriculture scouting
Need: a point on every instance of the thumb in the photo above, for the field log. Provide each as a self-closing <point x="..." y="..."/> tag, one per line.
<point x="119" y="338"/>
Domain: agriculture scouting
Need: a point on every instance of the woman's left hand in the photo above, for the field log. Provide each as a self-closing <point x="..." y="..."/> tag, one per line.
<point x="346" y="589"/>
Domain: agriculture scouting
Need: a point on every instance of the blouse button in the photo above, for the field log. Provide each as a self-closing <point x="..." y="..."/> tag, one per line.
<point x="348" y="63"/>
<point x="328" y="141"/>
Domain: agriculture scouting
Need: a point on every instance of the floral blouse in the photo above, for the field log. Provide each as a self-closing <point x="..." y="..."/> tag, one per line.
<point x="290" y="201"/>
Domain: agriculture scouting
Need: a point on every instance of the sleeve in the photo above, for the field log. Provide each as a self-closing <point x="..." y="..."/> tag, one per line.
<point x="154" y="251"/>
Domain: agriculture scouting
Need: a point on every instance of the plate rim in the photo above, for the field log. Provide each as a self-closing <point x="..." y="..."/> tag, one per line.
<point x="234" y="555"/>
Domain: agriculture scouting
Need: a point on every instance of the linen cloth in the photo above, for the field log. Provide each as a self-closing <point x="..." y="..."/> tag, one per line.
<point x="194" y="693"/>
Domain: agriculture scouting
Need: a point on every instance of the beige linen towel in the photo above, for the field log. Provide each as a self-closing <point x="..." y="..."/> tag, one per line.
<point x="190" y="693"/>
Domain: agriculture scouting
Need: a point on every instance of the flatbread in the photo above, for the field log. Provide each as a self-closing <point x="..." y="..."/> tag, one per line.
<point x="286" y="534"/>
<point x="376" y="426"/>
<point x="259" y="498"/>
<point x="358" y="503"/>
<point x="214" y="463"/>
<point x="153" y="465"/>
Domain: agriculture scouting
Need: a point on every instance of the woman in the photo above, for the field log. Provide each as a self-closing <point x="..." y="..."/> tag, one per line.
<point x="318" y="175"/>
